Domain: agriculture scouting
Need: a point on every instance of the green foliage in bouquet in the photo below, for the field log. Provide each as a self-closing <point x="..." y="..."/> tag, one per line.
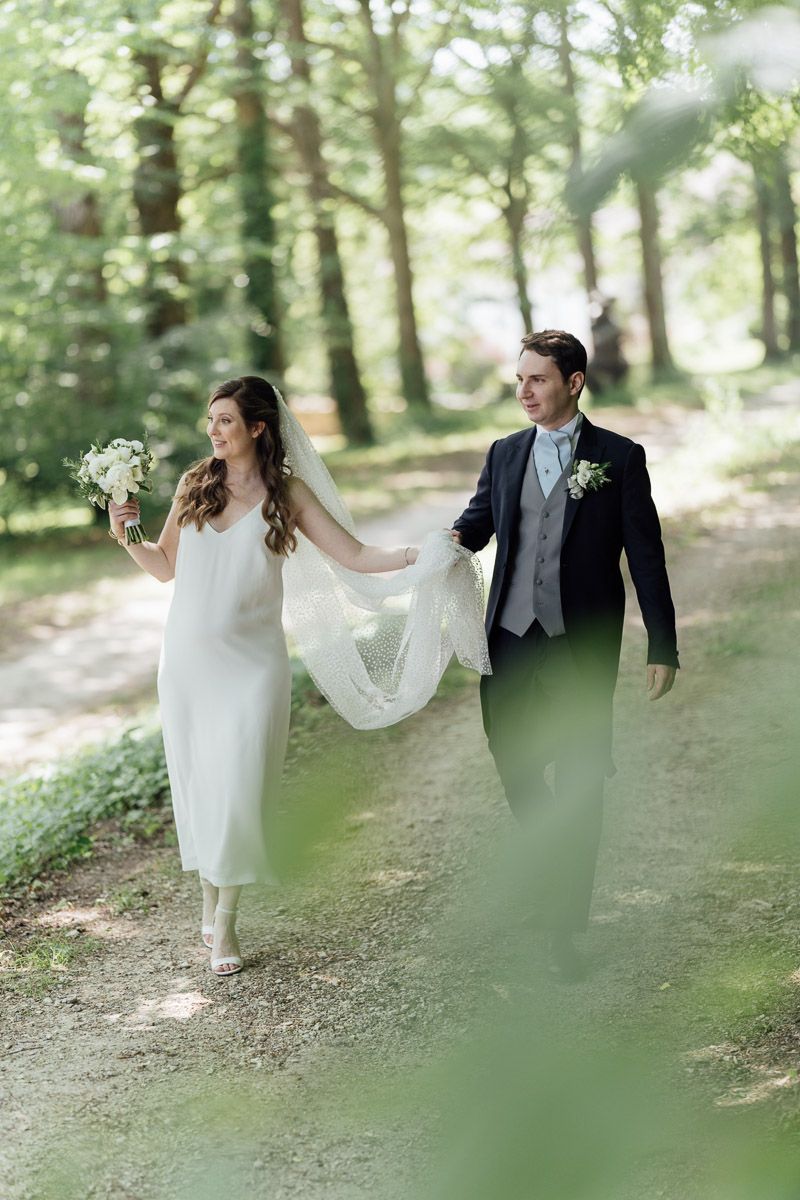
<point x="116" y="471"/>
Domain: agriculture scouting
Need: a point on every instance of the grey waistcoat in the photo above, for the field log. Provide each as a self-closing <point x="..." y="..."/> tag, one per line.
<point x="534" y="591"/>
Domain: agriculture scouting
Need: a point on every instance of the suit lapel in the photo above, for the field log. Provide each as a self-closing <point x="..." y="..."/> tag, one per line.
<point x="590" y="447"/>
<point x="515" y="468"/>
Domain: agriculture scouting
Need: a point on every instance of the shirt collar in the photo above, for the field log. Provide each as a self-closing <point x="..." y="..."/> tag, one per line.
<point x="571" y="427"/>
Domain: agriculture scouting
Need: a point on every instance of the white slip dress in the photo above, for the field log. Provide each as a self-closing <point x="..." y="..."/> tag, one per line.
<point x="224" y="686"/>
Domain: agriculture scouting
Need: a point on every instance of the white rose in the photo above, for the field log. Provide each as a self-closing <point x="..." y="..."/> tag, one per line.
<point x="116" y="474"/>
<point x="137" y="446"/>
<point x="119" y="495"/>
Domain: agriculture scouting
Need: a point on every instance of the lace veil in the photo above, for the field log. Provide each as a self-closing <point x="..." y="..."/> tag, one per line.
<point x="377" y="646"/>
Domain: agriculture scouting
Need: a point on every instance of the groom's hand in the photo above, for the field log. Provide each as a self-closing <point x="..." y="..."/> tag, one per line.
<point x="659" y="680"/>
<point x="455" y="535"/>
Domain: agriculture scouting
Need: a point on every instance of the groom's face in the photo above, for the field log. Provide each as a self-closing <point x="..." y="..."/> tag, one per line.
<point x="546" y="397"/>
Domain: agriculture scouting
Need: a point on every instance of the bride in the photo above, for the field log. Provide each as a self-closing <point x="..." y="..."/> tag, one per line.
<point x="258" y="522"/>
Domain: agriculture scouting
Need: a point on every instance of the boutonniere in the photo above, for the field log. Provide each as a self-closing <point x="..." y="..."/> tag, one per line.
<point x="587" y="477"/>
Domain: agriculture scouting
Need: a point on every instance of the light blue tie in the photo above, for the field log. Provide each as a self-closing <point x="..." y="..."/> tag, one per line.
<point x="563" y="446"/>
<point x="552" y="452"/>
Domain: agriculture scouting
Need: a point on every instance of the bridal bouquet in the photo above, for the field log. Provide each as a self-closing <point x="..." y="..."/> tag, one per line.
<point x="114" y="472"/>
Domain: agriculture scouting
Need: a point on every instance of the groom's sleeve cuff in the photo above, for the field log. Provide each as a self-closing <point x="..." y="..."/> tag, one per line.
<point x="663" y="657"/>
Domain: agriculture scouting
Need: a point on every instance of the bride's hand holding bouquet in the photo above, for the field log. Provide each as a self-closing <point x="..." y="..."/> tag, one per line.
<point x="109" y="476"/>
<point x="124" y="517"/>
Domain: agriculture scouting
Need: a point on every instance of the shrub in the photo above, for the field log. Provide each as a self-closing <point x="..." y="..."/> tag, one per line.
<point x="45" y="819"/>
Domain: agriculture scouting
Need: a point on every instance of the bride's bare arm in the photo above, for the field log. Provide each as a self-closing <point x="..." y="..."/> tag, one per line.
<point x="312" y="519"/>
<point x="157" y="558"/>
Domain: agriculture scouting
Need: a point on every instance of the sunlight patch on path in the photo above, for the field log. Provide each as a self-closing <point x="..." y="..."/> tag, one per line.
<point x="176" y="1006"/>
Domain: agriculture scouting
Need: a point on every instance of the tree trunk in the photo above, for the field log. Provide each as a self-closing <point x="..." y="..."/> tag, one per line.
<point x="157" y="191"/>
<point x="412" y="367"/>
<point x="79" y="219"/>
<point x="787" y="223"/>
<point x="661" y="357"/>
<point x="257" y="198"/>
<point x="386" y="124"/>
<point x="583" y="224"/>
<point x="769" y="327"/>
<point x="346" y="385"/>
<point x="514" y="213"/>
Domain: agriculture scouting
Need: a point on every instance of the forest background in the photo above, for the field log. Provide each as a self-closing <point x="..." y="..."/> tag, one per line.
<point x="369" y="203"/>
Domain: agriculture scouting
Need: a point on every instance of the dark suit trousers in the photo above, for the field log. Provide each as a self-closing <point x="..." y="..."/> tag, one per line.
<point x="537" y="709"/>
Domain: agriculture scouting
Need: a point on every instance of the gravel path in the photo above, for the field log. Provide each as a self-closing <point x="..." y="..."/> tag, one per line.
<point x="72" y="678"/>
<point x="314" y="1073"/>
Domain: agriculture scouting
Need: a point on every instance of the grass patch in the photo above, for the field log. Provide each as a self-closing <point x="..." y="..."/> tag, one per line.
<point x="747" y="989"/>
<point x="31" y="966"/>
<point x="44" y="820"/>
<point x="127" y="899"/>
<point x="32" y="568"/>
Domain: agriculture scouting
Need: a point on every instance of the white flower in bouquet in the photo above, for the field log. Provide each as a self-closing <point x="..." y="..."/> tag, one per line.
<point x="587" y="477"/>
<point x="114" y="472"/>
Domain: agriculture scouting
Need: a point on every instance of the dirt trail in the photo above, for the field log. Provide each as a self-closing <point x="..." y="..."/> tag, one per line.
<point x="72" y="677"/>
<point x="120" y="1080"/>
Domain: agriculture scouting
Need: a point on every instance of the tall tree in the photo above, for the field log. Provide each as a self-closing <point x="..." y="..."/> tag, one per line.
<point x="786" y="212"/>
<point x="640" y="51"/>
<point x="583" y="220"/>
<point x="653" y="275"/>
<point x="384" y="53"/>
<point x="346" y="384"/>
<point x="257" y="193"/>
<point x="78" y="217"/>
<point x="374" y="79"/>
<point x="764" y="221"/>
<point x="756" y="128"/>
<point x="157" y="184"/>
<point x="505" y="128"/>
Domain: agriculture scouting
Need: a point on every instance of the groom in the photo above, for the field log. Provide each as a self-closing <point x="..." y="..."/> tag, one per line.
<point x="554" y="621"/>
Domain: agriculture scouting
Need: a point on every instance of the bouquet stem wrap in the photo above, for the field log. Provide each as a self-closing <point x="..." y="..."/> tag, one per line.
<point x="134" y="533"/>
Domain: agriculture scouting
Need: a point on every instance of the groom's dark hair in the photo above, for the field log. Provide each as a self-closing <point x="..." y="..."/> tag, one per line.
<point x="567" y="352"/>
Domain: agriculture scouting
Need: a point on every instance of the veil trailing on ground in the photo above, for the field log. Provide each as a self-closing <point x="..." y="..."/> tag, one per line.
<point x="377" y="646"/>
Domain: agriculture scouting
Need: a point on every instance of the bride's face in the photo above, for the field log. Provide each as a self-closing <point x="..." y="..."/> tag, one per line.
<point x="231" y="439"/>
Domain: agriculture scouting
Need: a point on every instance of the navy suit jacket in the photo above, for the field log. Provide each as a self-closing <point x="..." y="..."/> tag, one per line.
<point x="619" y="516"/>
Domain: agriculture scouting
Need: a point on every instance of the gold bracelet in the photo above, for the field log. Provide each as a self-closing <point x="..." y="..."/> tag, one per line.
<point x="119" y="541"/>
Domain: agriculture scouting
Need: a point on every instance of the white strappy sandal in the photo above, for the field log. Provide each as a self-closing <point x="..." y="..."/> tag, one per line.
<point x="231" y="959"/>
<point x="207" y="934"/>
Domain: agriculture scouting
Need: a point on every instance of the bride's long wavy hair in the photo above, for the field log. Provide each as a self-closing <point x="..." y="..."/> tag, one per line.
<point x="205" y="492"/>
